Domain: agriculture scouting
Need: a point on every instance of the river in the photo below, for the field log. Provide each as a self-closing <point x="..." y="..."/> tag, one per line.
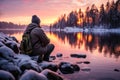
<point x="102" y="50"/>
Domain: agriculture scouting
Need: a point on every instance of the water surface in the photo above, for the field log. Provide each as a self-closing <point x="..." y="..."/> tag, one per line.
<point x="102" y="50"/>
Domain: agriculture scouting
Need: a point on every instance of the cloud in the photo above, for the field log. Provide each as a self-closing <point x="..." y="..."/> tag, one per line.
<point x="81" y="3"/>
<point x="44" y="8"/>
<point x="0" y="14"/>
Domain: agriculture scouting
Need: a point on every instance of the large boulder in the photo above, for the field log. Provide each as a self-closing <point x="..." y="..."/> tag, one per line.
<point x="68" y="68"/>
<point x="29" y="64"/>
<point x="23" y="57"/>
<point x="49" y="65"/>
<point x="51" y="75"/>
<point x="13" y="45"/>
<point x="4" y="75"/>
<point x="6" y="53"/>
<point x="75" y="67"/>
<point x="4" y="36"/>
<point x="1" y="44"/>
<point x="25" y="63"/>
<point x="2" y="40"/>
<point x="10" y="67"/>
<point x="33" y="75"/>
<point x="19" y="58"/>
<point x="10" y="42"/>
<point x="13" y="38"/>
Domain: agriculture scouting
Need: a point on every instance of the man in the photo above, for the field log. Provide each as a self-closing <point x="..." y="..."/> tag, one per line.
<point x="39" y="40"/>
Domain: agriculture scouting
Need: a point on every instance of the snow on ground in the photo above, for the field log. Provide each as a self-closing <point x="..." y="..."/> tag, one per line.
<point x="94" y="30"/>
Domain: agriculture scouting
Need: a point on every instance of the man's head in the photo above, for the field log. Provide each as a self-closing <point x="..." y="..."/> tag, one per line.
<point x="35" y="19"/>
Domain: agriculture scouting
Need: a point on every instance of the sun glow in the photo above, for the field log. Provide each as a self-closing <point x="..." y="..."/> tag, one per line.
<point x="52" y="36"/>
<point x="79" y="36"/>
<point x="18" y="20"/>
<point x="89" y="38"/>
<point x="80" y="21"/>
<point x="27" y="20"/>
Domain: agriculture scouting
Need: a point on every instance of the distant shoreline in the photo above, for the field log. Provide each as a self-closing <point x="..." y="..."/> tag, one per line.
<point x="93" y="30"/>
<point x="12" y="29"/>
<point x="75" y="30"/>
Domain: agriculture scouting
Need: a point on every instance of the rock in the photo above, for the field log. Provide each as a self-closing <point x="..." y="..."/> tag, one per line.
<point x="117" y="70"/>
<point x="66" y="68"/>
<point x="78" y="55"/>
<point x="80" y="62"/>
<point x="76" y="67"/>
<point x="13" y="46"/>
<point x="9" y="66"/>
<point x="6" y="53"/>
<point x="51" y="75"/>
<point x="2" y="40"/>
<point x="86" y="69"/>
<point x="13" y="38"/>
<point x="52" y="58"/>
<point x="10" y="42"/>
<point x="1" y="44"/>
<point x="4" y="75"/>
<point x="3" y="36"/>
<point x="23" y="57"/>
<point x="35" y="58"/>
<point x="33" y="75"/>
<point x="49" y="65"/>
<point x="3" y="61"/>
<point x="59" y="55"/>
<point x="25" y="62"/>
<point x="86" y="62"/>
<point x="29" y="64"/>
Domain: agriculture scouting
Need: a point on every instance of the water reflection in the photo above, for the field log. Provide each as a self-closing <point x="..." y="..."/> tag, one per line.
<point x="99" y="48"/>
<point x="16" y="33"/>
<point x="107" y="43"/>
<point x="11" y="31"/>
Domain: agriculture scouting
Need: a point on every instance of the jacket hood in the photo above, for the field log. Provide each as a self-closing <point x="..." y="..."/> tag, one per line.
<point x="30" y="27"/>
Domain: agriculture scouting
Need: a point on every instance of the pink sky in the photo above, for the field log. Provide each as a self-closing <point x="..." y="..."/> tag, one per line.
<point x="20" y="11"/>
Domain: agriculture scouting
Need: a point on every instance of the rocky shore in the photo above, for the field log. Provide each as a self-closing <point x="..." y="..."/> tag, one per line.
<point x="16" y="66"/>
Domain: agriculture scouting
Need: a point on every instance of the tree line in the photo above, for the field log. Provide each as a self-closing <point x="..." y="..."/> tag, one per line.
<point x="107" y="16"/>
<point x="10" y="25"/>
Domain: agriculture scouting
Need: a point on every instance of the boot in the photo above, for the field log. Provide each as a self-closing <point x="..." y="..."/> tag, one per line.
<point x="50" y="48"/>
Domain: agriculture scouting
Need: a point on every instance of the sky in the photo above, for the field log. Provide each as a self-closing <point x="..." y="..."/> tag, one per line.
<point x="21" y="11"/>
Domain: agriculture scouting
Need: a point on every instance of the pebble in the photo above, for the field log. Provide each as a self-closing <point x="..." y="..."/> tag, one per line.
<point x="78" y="55"/>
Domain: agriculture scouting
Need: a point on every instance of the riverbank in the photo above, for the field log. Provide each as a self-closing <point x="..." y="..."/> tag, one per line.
<point x="16" y="66"/>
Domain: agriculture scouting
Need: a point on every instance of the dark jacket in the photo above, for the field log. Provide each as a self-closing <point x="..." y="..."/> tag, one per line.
<point x="38" y="38"/>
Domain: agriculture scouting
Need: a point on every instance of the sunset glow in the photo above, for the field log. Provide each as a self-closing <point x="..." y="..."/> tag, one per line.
<point x="80" y="21"/>
<point x="79" y="36"/>
<point x="20" y="11"/>
<point x="89" y="38"/>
